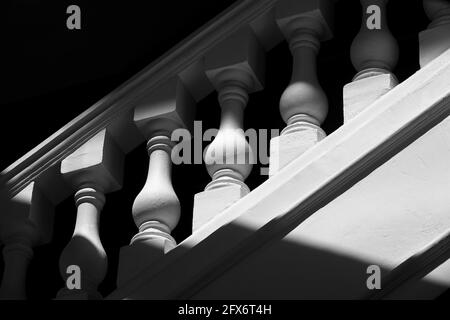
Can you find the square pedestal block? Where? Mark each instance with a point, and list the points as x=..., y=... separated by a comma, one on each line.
x=135, y=258
x=287, y=147
x=360, y=94
x=209, y=203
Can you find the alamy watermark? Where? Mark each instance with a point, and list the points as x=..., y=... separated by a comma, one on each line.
x=234, y=146
x=373, y=22
x=73, y=281
x=73, y=21
x=373, y=282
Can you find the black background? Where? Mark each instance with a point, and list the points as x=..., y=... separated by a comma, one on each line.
x=50, y=74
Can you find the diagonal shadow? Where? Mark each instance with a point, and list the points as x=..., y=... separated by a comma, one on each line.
x=280, y=269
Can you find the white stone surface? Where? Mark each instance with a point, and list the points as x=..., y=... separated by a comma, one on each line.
x=287, y=147
x=361, y=93
x=384, y=219
x=209, y=203
x=236, y=68
x=395, y=210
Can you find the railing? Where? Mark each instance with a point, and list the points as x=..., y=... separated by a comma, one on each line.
x=85, y=158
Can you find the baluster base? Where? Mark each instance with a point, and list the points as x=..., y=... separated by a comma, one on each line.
x=368, y=86
x=213, y=201
x=151, y=243
x=295, y=139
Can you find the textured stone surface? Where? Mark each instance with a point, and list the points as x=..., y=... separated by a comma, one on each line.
x=209, y=203
x=287, y=147
x=359, y=94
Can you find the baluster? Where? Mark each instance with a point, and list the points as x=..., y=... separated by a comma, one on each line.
x=25, y=222
x=156, y=209
x=303, y=104
x=436, y=38
x=235, y=67
x=92, y=170
x=374, y=54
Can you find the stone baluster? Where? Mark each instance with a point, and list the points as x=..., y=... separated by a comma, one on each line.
x=25, y=222
x=303, y=104
x=436, y=38
x=92, y=170
x=374, y=54
x=235, y=67
x=156, y=209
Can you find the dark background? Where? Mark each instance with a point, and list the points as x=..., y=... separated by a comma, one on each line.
x=50, y=74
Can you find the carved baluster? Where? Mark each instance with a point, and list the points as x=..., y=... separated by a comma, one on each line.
x=303, y=104
x=235, y=68
x=156, y=209
x=92, y=170
x=374, y=54
x=436, y=38
x=25, y=222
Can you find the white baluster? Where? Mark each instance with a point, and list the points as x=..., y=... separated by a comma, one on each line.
x=235, y=67
x=374, y=54
x=221, y=157
x=156, y=209
x=92, y=170
x=303, y=104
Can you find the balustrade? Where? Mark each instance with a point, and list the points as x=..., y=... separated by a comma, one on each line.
x=92, y=170
x=235, y=68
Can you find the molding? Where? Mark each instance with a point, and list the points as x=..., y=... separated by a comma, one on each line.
x=302, y=187
x=120, y=101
